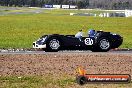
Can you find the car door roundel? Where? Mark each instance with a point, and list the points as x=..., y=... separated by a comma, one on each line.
x=88, y=41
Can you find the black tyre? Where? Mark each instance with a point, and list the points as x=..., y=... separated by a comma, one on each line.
x=53, y=45
x=103, y=45
x=81, y=80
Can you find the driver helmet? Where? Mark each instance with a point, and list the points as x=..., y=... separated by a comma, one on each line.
x=91, y=32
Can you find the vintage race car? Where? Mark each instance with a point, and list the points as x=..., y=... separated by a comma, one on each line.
x=100, y=42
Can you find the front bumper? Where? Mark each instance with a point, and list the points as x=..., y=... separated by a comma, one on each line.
x=37, y=46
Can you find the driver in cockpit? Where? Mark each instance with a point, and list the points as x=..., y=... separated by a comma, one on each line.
x=79, y=34
x=91, y=33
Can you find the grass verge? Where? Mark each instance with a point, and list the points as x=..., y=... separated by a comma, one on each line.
x=50, y=82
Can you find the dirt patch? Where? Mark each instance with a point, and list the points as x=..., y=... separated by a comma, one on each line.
x=65, y=63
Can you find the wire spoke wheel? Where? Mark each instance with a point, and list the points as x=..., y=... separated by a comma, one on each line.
x=54, y=44
x=104, y=44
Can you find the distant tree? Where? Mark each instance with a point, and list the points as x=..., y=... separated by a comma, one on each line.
x=6, y=2
x=86, y=3
x=33, y=3
x=73, y=2
x=1, y=2
x=103, y=4
x=114, y=6
x=80, y=4
x=127, y=5
x=66, y=2
x=42, y=2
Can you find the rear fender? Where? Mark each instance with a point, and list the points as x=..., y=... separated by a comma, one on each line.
x=103, y=34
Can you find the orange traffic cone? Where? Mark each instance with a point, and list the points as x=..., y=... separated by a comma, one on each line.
x=81, y=71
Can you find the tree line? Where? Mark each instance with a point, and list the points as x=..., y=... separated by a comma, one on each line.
x=102, y=4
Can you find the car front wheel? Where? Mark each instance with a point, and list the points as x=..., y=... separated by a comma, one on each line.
x=53, y=45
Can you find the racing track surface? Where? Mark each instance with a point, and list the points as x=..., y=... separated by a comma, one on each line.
x=43, y=52
x=66, y=62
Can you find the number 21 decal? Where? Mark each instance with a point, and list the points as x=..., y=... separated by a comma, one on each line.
x=88, y=41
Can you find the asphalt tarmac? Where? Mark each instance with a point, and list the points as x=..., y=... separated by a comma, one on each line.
x=70, y=52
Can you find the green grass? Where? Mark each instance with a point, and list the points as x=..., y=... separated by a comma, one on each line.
x=50, y=82
x=34, y=82
x=19, y=31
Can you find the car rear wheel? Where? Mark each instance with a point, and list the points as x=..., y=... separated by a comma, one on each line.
x=102, y=45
